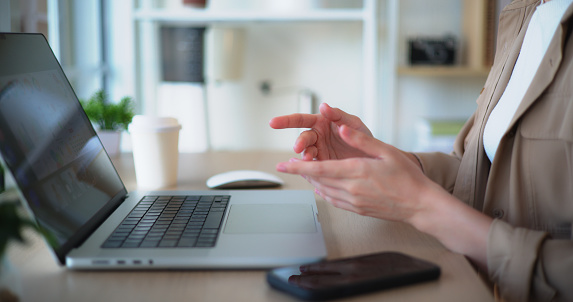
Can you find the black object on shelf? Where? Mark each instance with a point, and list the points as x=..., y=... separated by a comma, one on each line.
x=182, y=54
x=432, y=51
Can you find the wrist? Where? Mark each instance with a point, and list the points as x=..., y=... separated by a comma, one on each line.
x=459, y=227
x=431, y=211
x=415, y=159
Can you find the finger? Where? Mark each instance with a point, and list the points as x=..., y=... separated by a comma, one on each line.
x=333, y=191
x=334, y=197
x=327, y=168
x=363, y=142
x=333, y=114
x=339, y=203
x=297, y=120
x=329, y=185
x=340, y=117
x=310, y=153
x=295, y=160
x=305, y=140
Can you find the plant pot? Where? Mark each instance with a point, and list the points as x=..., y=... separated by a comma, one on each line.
x=110, y=140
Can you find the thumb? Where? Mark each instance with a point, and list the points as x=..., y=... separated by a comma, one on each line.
x=339, y=117
x=363, y=142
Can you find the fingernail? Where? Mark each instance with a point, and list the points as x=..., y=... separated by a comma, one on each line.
x=281, y=167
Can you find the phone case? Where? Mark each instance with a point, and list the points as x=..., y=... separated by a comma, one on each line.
x=350, y=276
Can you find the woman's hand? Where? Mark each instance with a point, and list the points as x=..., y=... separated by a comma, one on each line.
x=387, y=184
x=322, y=141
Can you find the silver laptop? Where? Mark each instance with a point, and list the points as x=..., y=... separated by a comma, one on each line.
x=73, y=191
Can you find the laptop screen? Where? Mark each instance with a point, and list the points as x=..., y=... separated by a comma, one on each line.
x=49, y=145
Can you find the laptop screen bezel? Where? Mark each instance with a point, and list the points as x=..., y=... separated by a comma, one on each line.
x=83, y=232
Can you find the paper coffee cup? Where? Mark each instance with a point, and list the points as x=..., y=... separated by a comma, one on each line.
x=155, y=142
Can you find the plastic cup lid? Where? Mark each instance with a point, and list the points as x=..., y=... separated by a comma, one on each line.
x=153, y=124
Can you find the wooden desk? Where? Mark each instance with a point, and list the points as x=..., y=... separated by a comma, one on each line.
x=36, y=277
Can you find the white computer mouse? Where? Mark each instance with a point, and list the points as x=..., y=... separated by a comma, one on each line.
x=243, y=179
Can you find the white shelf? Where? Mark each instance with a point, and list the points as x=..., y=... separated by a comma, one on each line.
x=148, y=17
x=206, y=16
x=443, y=71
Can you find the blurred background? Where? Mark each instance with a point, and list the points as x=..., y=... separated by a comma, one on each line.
x=410, y=69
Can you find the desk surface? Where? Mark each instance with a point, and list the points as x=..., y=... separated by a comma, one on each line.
x=35, y=276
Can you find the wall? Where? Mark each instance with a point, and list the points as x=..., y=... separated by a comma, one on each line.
x=5, y=16
x=423, y=98
x=322, y=57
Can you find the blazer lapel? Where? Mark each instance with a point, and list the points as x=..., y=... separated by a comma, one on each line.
x=510, y=59
x=547, y=69
x=516, y=20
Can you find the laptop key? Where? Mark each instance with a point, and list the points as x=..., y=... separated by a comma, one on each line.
x=167, y=243
x=187, y=242
x=213, y=220
x=112, y=244
x=149, y=244
x=130, y=244
x=205, y=244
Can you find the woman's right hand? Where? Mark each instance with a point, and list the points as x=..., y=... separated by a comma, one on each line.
x=322, y=141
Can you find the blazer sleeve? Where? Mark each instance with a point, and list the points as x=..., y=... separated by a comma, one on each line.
x=529, y=265
x=440, y=167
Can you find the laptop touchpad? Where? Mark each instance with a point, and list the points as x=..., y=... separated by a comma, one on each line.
x=270, y=218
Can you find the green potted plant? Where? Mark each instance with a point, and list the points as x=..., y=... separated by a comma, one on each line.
x=110, y=118
x=13, y=221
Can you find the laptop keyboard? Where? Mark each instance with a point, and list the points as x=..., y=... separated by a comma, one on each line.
x=171, y=222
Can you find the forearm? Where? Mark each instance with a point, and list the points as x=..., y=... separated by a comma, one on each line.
x=456, y=225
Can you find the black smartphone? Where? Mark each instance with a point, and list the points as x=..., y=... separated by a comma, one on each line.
x=350, y=276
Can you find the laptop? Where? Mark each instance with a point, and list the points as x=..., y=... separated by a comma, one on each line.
x=72, y=189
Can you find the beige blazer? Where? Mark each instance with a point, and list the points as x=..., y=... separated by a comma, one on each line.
x=529, y=187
